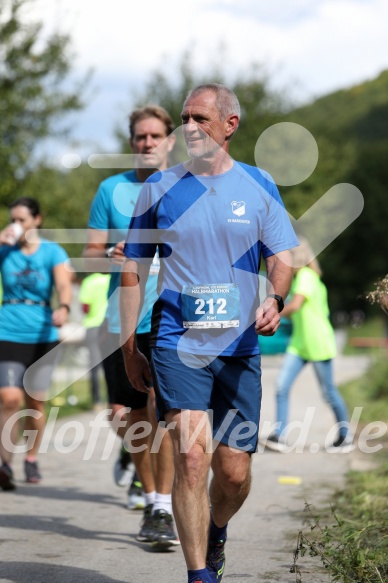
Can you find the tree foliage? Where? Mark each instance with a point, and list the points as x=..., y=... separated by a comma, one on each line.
x=351, y=129
x=32, y=96
x=260, y=107
x=65, y=198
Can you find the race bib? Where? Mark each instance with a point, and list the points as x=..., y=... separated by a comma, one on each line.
x=213, y=305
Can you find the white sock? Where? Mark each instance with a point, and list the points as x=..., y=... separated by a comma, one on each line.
x=149, y=498
x=162, y=502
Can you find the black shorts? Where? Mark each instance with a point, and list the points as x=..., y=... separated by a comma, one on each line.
x=120, y=390
x=17, y=357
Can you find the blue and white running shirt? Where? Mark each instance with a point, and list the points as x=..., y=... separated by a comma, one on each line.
x=212, y=232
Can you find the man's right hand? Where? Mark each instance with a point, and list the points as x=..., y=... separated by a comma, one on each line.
x=138, y=370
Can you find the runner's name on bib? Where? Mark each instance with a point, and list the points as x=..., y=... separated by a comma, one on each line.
x=213, y=305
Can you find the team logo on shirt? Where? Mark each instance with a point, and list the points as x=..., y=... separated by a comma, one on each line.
x=239, y=209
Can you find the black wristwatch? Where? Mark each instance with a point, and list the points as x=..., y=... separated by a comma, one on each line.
x=279, y=300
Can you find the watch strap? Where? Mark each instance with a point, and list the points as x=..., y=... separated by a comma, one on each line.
x=279, y=300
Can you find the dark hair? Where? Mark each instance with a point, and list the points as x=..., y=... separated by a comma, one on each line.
x=30, y=203
x=150, y=111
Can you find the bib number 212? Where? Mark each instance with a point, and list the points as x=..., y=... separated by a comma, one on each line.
x=220, y=309
x=211, y=306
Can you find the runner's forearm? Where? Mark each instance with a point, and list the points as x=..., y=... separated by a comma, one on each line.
x=133, y=279
x=279, y=273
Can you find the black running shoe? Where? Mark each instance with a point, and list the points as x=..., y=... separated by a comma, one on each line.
x=33, y=475
x=215, y=559
x=164, y=535
x=6, y=478
x=146, y=532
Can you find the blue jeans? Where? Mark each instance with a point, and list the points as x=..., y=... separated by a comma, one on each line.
x=292, y=365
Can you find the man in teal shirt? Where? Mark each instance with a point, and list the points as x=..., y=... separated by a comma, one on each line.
x=151, y=139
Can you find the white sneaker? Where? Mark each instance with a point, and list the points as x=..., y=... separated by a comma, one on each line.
x=135, y=497
x=343, y=444
x=273, y=442
x=122, y=471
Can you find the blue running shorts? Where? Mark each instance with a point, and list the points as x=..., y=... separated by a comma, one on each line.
x=229, y=387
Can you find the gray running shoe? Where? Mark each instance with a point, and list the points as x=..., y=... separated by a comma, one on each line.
x=146, y=532
x=164, y=535
x=33, y=475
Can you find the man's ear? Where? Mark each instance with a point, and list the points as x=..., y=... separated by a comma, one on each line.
x=171, y=142
x=231, y=123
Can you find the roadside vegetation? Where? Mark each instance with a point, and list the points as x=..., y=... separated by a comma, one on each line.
x=371, y=328
x=351, y=537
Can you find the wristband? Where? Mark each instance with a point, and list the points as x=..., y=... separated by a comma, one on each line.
x=65, y=306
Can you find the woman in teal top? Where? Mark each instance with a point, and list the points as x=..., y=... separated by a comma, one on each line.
x=31, y=268
x=312, y=340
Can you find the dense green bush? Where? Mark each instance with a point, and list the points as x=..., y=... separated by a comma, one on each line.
x=375, y=383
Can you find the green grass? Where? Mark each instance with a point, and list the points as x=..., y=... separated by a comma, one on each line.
x=370, y=391
x=351, y=539
x=82, y=402
x=370, y=328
